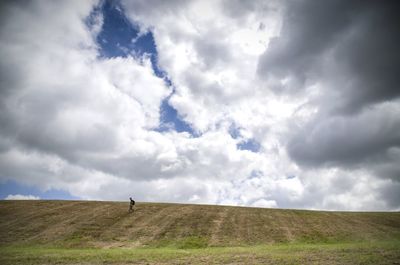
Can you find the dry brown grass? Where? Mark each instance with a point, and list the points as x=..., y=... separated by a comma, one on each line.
x=108, y=224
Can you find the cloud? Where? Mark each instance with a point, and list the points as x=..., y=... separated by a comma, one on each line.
x=21, y=197
x=346, y=140
x=265, y=203
x=210, y=54
x=341, y=57
x=348, y=46
x=67, y=102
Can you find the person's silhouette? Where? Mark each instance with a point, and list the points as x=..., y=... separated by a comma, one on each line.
x=131, y=205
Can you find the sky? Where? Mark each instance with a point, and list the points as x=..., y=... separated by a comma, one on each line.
x=286, y=104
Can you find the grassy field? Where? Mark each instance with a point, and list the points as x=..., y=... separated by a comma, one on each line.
x=81, y=232
x=343, y=253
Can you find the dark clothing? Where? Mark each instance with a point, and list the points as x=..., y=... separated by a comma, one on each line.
x=131, y=205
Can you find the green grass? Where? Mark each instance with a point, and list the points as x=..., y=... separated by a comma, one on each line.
x=387, y=252
x=191, y=242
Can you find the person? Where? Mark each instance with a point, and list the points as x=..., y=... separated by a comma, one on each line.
x=131, y=205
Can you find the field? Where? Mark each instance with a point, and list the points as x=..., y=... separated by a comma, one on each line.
x=82, y=232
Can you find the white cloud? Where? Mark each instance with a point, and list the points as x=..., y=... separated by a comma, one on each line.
x=265, y=203
x=212, y=59
x=21, y=197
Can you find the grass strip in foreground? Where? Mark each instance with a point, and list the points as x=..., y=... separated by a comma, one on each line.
x=387, y=252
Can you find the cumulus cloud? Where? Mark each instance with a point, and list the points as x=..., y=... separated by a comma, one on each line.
x=348, y=46
x=211, y=54
x=348, y=139
x=293, y=78
x=21, y=197
x=64, y=100
x=342, y=56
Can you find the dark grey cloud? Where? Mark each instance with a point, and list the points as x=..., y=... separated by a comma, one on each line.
x=349, y=46
x=239, y=9
x=388, y=164
x=309, y=29
x=347, y=140
x=391, y=194
x=370, y=56
x=348, y=49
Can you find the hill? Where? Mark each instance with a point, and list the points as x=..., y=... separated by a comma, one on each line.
x=109, y=225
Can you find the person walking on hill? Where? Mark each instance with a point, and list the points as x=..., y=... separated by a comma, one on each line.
x=131, y=205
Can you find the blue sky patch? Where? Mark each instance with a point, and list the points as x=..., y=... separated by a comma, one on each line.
x=256, y=174
x=13, y=188
x=250, y=145
x=117, y=36
x=120, y=38
x=170, y=119
x=234, y=131
x=246, y=144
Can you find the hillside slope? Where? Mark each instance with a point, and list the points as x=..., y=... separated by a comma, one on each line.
x=108, y=224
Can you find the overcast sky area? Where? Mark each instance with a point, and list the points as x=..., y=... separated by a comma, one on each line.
x=289, y=104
